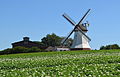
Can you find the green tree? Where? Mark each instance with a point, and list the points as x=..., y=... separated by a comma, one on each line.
x=102, y=48
x=115, y=46
x=41, y=45
x=51, y=40
x=54, y=40
x=108, y=47
x=68, y=42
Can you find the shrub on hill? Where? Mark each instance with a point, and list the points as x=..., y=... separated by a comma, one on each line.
x=108, y=47
x=20, y=49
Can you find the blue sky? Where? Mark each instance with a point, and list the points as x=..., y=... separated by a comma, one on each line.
x=37, y=18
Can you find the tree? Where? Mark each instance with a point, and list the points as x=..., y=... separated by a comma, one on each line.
x=68, y=42
x=108, y=47
x=54, y=40
x=51, y=40
x=102, y=48
x=41, y=45
x=115, y=46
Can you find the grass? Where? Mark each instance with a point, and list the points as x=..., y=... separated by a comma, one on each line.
x=94, y=63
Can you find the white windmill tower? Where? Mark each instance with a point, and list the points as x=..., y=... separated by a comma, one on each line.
x=81, y=40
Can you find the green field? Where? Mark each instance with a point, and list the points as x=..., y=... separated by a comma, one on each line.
x=104, y=63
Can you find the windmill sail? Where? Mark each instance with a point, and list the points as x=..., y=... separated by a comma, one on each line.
x=64, y=40
x=84, y=16
x=69, y=19
x=81, y=40
x=83, y=33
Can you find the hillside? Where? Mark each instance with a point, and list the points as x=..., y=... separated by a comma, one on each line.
x=102, y=63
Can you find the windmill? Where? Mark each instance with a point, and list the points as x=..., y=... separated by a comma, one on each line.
x=81, y=40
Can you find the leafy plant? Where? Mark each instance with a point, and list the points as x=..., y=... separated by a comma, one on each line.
x=94, y=63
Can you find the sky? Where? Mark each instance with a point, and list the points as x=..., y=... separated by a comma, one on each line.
x=37, y=18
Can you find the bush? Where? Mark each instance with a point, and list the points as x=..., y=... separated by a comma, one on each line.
x=6, y=51
x=108, y=47
x=34, y=49
x=20, y=49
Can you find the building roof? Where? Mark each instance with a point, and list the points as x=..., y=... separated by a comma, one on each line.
x=25, y=39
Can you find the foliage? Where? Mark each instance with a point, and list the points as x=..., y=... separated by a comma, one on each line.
x=20, y=49
x=41, y=45
x=68, y=42
x=54, y=40
x=102, y=63
x=108, y=47
x=51, y=40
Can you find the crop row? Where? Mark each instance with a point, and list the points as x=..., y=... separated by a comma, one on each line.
x=61, y=64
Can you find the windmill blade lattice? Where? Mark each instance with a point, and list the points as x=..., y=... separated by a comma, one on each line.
x=84, y=17
x=69, y=19
x=79, y=41
x=67, y=37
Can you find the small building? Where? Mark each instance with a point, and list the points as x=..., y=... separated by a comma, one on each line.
x=25, y=43
x=50, y=48
x=63, y=49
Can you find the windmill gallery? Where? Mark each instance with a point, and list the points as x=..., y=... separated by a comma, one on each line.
x=80, y=41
